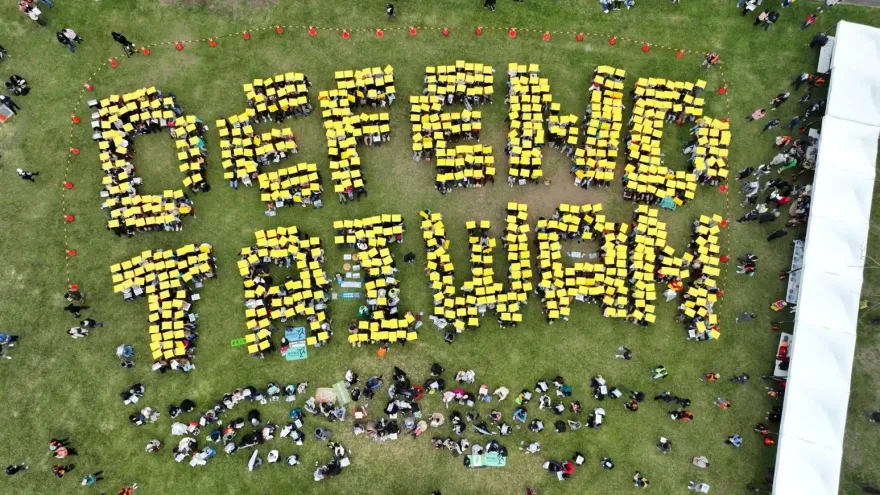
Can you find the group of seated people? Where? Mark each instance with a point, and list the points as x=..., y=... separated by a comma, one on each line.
x=116, y=122
x=438, y=132
x=658, y=101
x=17, y=85
x=481, y=292
x=631, y=260
x=345, y=130
x=701, y=294
x=529, y=101
x=169, y=279
x=594, y=163
x=371, y=238
x=303, y=296
x=246, y=154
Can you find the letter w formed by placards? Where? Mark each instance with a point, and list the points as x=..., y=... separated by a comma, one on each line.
x=482, y=292
x=304, y=296
x=632, y=259
x=245, y=154
x=116, y=122
x=437, y=132
x=647, y=178
x=345, y=130
x=169, y=279
x=373, y=237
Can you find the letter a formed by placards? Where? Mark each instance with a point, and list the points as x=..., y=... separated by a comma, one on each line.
x=647, y=177
x=345, y=130
x=436, y=133
x=465, y=309
x=116, y=122
x=169, y=279
x=302, y=297
x=531, y=104
x=246, y=155
x=372, y=239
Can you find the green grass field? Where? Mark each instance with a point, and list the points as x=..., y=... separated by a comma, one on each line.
x=58, y=387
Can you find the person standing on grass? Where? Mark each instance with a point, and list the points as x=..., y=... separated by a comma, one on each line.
x=5, y=100
x=801, y=79
x=761, y=17
x=60, y=470
x=734, y=440
x=389, y=10
x=779, y=100
x=25, y=175
x=72, y=36
x=786, y=3
x=91, y=323
x=819, y=40
x=91, y=479
x=827, y=5
x=15, y=468
x=489, y=4
x=78, y=333
x=65, y=41
x=756, y=115
x=794, y=122
x=710, y=60
x=777, y=235
x=772, y=17
x=128, y=46
x=770, y=125
x=810, y=20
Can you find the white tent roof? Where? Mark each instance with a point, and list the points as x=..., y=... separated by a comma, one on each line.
x=817, y=393
x=855, y=74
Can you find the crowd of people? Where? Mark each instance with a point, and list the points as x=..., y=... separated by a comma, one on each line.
x=472, y=410
x=245, y=154
x=303, y=296
x=529, y=101
x=646, y=179
x=481, y=292
x=436, y=133
x=634, y=254
x=345, y=130
x=594, y=163
x=372, y=237
x=703, y=259
x=116, y=121
x=169, y=279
